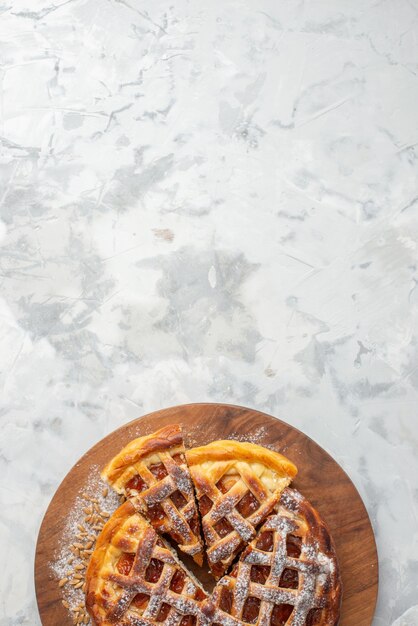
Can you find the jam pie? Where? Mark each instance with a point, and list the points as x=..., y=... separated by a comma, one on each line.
x=265, y=542
x=237, y=486
x=134, y=578
x=152, y=472
x=287, y=576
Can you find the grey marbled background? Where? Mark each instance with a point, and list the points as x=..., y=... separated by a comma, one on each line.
x=210, y=200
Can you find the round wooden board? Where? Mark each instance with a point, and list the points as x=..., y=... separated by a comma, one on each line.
x=320, y=479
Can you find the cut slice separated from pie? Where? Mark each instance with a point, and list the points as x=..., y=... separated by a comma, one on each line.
x=135, y=579
x=237, y=486
x=152, y=472
x=287, y=576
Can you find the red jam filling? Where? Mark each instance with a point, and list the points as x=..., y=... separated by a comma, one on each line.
x=205, y=505
x=158, y=470
x=153, y=571
x=248, y=504
x=140, y=600
x=136, y=484
x=260, y=573
x=223, y=527
x=280, y=614
x=265, y=541
x=177, y=582
x=225, y=603
x=293, y=546
x=251, y=610
x=178, y=499
x=156, y=514
x=199, y=594
x=163, y=612
x=289, y=579
x=124, y=565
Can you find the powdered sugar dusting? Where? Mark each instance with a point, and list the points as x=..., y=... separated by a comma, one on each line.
x=314, y=569
x=82, y=528
x=78, y=539
x=203, y=433
x=242, y=527
x=257, y=435
x=291, y=499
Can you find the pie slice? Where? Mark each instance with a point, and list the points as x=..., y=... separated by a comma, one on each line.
x=152, y=472
x=135, y=579
x=287, y=576
x=237, y=485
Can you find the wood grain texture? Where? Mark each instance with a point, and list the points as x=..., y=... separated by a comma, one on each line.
x=320, y=479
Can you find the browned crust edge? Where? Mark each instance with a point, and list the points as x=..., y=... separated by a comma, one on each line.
x=168, y=437
x=292, y=500
x=111, y=527
x=319, y=531
x=231, y=450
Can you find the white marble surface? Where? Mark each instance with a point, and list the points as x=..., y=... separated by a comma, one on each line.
x=211, y=200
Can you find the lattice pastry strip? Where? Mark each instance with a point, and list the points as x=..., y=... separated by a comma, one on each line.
x=238, y=485
x=159, y=491
x=134, y=579
x=288, y=575
x=152, y=471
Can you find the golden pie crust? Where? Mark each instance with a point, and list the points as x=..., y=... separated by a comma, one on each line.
x=237, y=485
x=152, y=472
x=285, y=573
x=135, y=579
x=287, y=576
